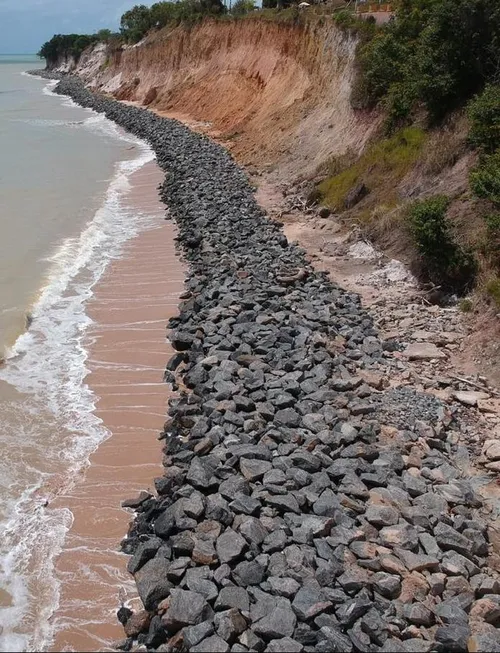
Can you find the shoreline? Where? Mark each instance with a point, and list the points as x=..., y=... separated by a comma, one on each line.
x=294, y=495
x=126, y=346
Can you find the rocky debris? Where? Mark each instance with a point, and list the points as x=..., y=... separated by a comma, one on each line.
x=355, y=195
x=470, y=397
x=423, y=351
x=302, y=507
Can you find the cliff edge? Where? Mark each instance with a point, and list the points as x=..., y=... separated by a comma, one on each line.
x=279, y=94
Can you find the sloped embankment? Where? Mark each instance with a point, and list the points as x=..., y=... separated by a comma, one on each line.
x=279, y=92
x=289, y=518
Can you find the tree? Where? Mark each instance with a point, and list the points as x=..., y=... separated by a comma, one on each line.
x=104, y=35
x=484, y=116
x=135, y=23
x=63, y=46
x=436, y=52
x=242, y=7
x=163, y=13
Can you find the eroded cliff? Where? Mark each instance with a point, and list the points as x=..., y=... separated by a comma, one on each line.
x=277, y=93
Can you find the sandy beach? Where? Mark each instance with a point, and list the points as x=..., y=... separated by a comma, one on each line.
x=127, y=354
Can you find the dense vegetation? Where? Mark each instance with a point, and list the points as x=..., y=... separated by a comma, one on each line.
x=441, y=259
x=433, y=59
x=435, y=53
x=136, y=22
x=64, y=46
x=484, y=116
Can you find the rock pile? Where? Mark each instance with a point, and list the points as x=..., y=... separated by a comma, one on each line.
x=292, y=515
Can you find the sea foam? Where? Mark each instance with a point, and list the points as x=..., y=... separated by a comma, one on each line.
x=48, y=364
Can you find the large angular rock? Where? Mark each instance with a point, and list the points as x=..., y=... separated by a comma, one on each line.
x=213, y=644
x=279, y=622
x=181, y=340
x=137, y=623
x=233, y=486
x=229, y=624
x=186, y=609
x=283, y=586
x=152, y=582
x=200, y=475
x=380, y=515
x=332, y=640
x=284, y=645
x=232, y=596
x=246, y=505
x=217, y=509
x=144, y=552
x=484, y=643
x=165, y=524
x=389, y=585
x=418, y=614
x=253, y=530
x=308, y=603
x=352, y=609
x=193, y=635
x=287, y=417
x=248, y=572
x=230, y=546
x=283, y=503
x=453, y=638
x=203, y=552
x=417, y=562
x=254, y=470
x=448, y=538
x=401, y=535
x=451, y=613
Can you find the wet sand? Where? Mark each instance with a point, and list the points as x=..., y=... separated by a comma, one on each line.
x=127, y=356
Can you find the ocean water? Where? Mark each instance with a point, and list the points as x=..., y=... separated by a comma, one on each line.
x=63, y=173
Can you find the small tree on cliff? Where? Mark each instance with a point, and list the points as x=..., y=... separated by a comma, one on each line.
x=163, y=13
x=242, y=7
x=135, y=23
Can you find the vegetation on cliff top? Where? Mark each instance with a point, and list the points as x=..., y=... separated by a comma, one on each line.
x=435, y=53
x=433, y=58
x=65, y=46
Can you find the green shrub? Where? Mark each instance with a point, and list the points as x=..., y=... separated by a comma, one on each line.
x=493, y=290
x=344, y=18
x=380, y=63
x=485, y=178
x=348, y=21
x=400, y=101
x=242, y=7
x=442, y=260
x=440, y=52
x=484, y=115
x=493, y=224
x=491, y=245
x=430, y=228
x=465, y=305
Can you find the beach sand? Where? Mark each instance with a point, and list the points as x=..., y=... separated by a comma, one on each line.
x=127, y=356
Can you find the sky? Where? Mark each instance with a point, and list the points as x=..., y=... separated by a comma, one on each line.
x=26, y=24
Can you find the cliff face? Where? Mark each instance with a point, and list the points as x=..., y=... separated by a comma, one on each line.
x=279, y=94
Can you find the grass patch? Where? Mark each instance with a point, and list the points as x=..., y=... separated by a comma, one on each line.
x=465, y=305
x=383, y=164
